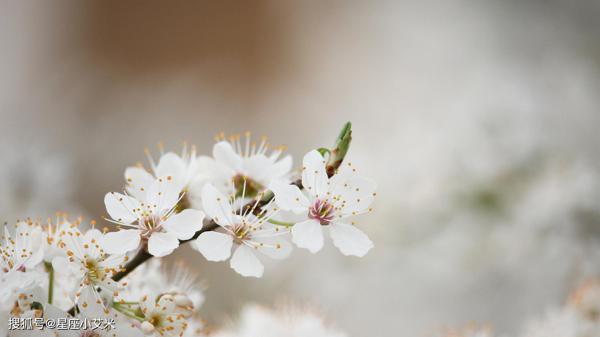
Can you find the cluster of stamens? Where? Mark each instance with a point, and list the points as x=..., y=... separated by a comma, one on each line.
x=240, y=232
x=322, y=211
x=150, y=224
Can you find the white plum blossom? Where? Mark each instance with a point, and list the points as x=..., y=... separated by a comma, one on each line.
x=185, y=170
x=153, y=277
x=151, y=218
x=91, y=309
x=23, y=250
x=236, y=163
x=27, y=306
x=20, y=257
x=243, y=230
x=328, y=202
x=87, y=262
x=163, y=316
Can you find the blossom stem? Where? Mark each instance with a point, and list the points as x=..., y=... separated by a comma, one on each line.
x=50, y=271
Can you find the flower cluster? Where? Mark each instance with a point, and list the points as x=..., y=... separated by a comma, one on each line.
x=240, y=204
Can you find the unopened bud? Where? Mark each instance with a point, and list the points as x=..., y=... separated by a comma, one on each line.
x=147, y=328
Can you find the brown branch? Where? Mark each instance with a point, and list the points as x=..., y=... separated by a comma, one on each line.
x=143, y=255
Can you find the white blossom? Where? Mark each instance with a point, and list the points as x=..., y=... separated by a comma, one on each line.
x=185, y=170
x=23, y=250
x=20, y=255
x=163, y=316
x=153, y=277
x=238, y=162
x=152, y=219
x=243, y=230
x=327, y=202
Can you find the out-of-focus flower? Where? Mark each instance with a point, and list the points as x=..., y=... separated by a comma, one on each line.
x=330, y=202
x=246, y=231
x=238, y=164
x=257, y=321
x=154, y=278
x=95, y=318
x=586, y=300
x=579, y=318
x=23, y=250
x=28, y=305
x=52, y=233
x=196, y=328
x=152, y=218
x=471, y=330
x=162, y=316
x=20, y=254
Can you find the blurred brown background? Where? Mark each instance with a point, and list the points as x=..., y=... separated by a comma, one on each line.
x=478, y=119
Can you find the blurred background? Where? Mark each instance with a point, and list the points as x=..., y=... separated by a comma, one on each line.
x=478, y=119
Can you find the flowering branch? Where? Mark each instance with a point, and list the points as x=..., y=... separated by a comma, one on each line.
x=225, y=203
x=336, y=157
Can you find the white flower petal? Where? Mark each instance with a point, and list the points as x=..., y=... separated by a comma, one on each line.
x=93, y=238
x=349, y=239
x=138, y=181
x=289, y=197
x=276, y=248
x=281, y=168
x=214, y=170
x=36, y=257
x=170, y=164
x=308, y=234
x=163, y=194
x=214, y=246
x=216, y=205
x=246, y=263
x=356, y=192
x=61, y=265
x=184, y=224
x=120, y=242
x=314, y=175
x=256, y=167
x=162, y=244
x=90, y=306
x=92, y=234
x=224, y=153
x=120, y=207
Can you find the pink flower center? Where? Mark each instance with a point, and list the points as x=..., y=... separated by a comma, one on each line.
x=321, y=211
